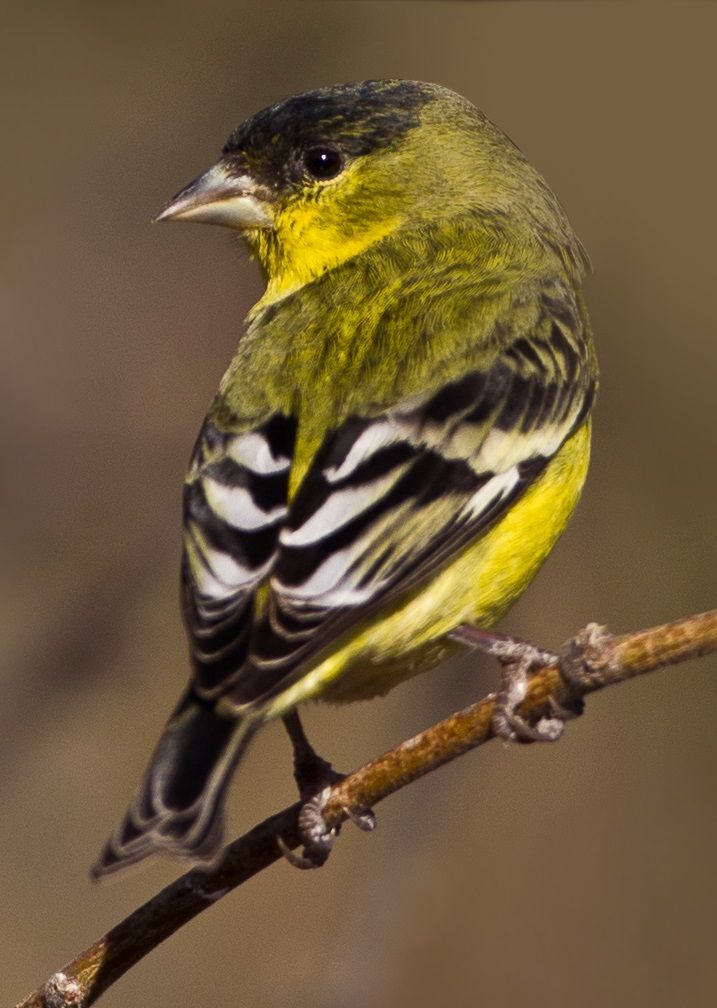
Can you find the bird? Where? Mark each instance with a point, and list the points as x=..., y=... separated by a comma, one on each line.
x=397, y=444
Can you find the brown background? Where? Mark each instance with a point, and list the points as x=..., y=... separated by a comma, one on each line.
x=582, y=873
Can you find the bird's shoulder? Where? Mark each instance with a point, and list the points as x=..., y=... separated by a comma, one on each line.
x=401, y=319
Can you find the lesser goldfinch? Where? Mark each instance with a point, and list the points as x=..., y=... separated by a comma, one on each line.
x=397, y=444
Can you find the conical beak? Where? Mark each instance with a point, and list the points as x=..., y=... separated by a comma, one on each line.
x=220, y=196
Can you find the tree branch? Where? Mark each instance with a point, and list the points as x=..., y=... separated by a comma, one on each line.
x=604, y=660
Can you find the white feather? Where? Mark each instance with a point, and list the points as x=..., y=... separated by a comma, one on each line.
x=341, y=508
x=236, y=507
x=324, y=587
x=252, y=451
x=378, y=435
x=497, y=486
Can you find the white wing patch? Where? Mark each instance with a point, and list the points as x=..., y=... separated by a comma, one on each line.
x=378, y=435
x=502, y=449
x=341, y=508
x=492, y=492
x=216, y=574
x=235, y=505
x=252, y=451
x=329, y=586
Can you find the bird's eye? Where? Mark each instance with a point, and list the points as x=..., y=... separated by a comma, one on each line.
x=323, y=163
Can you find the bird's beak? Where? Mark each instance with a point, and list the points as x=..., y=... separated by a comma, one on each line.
x=220, y=196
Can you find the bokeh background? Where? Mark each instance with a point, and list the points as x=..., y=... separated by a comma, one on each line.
x=582, y=873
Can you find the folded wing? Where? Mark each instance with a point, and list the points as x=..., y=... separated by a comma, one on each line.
x=390, y=498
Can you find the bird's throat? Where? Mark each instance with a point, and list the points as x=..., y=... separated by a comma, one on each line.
x=299, y=250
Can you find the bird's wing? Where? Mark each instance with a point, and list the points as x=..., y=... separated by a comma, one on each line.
x=235, y=503
x=390, y=498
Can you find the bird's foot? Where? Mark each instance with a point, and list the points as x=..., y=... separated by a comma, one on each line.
x=518, y=659
x=507, y=724
x=315, y=777
x=316, y=837
x=582, y=661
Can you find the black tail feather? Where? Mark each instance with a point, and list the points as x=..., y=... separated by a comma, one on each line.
x=178, y=807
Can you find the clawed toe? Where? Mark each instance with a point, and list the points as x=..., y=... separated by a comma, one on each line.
x=511, y=727
x=362, y=817
x=518, y=659
x=316, y=837
x=516, y=667
x=315, y=778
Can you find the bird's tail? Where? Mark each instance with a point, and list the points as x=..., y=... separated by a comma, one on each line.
x=178, y=807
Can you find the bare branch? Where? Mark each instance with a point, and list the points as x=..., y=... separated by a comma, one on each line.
x=601, y=660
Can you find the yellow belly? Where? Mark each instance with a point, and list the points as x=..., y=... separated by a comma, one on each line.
x=477, y=587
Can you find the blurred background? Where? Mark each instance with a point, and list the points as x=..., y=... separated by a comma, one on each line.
x=577, y=873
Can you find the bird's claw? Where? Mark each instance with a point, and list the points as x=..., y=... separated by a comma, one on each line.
x=518, y=659
x=578, y=667
x=364, y=818
x=516, y=669
x=511, y=727
x=317, y=839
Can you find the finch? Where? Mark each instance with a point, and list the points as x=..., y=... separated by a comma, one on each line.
x=398, y=442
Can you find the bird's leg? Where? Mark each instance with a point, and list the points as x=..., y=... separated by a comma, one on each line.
x=311, y=772
x=517, y=659
x=314, y=778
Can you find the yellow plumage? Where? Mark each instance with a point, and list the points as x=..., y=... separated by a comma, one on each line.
x=399, y=441
x=478, y=587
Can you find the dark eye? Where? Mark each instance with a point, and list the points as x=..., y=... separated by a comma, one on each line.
x=323, y=162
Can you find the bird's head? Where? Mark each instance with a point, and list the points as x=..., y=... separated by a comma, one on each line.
x=316, y=179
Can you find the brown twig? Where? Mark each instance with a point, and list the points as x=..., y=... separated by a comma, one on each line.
x=601, y=659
